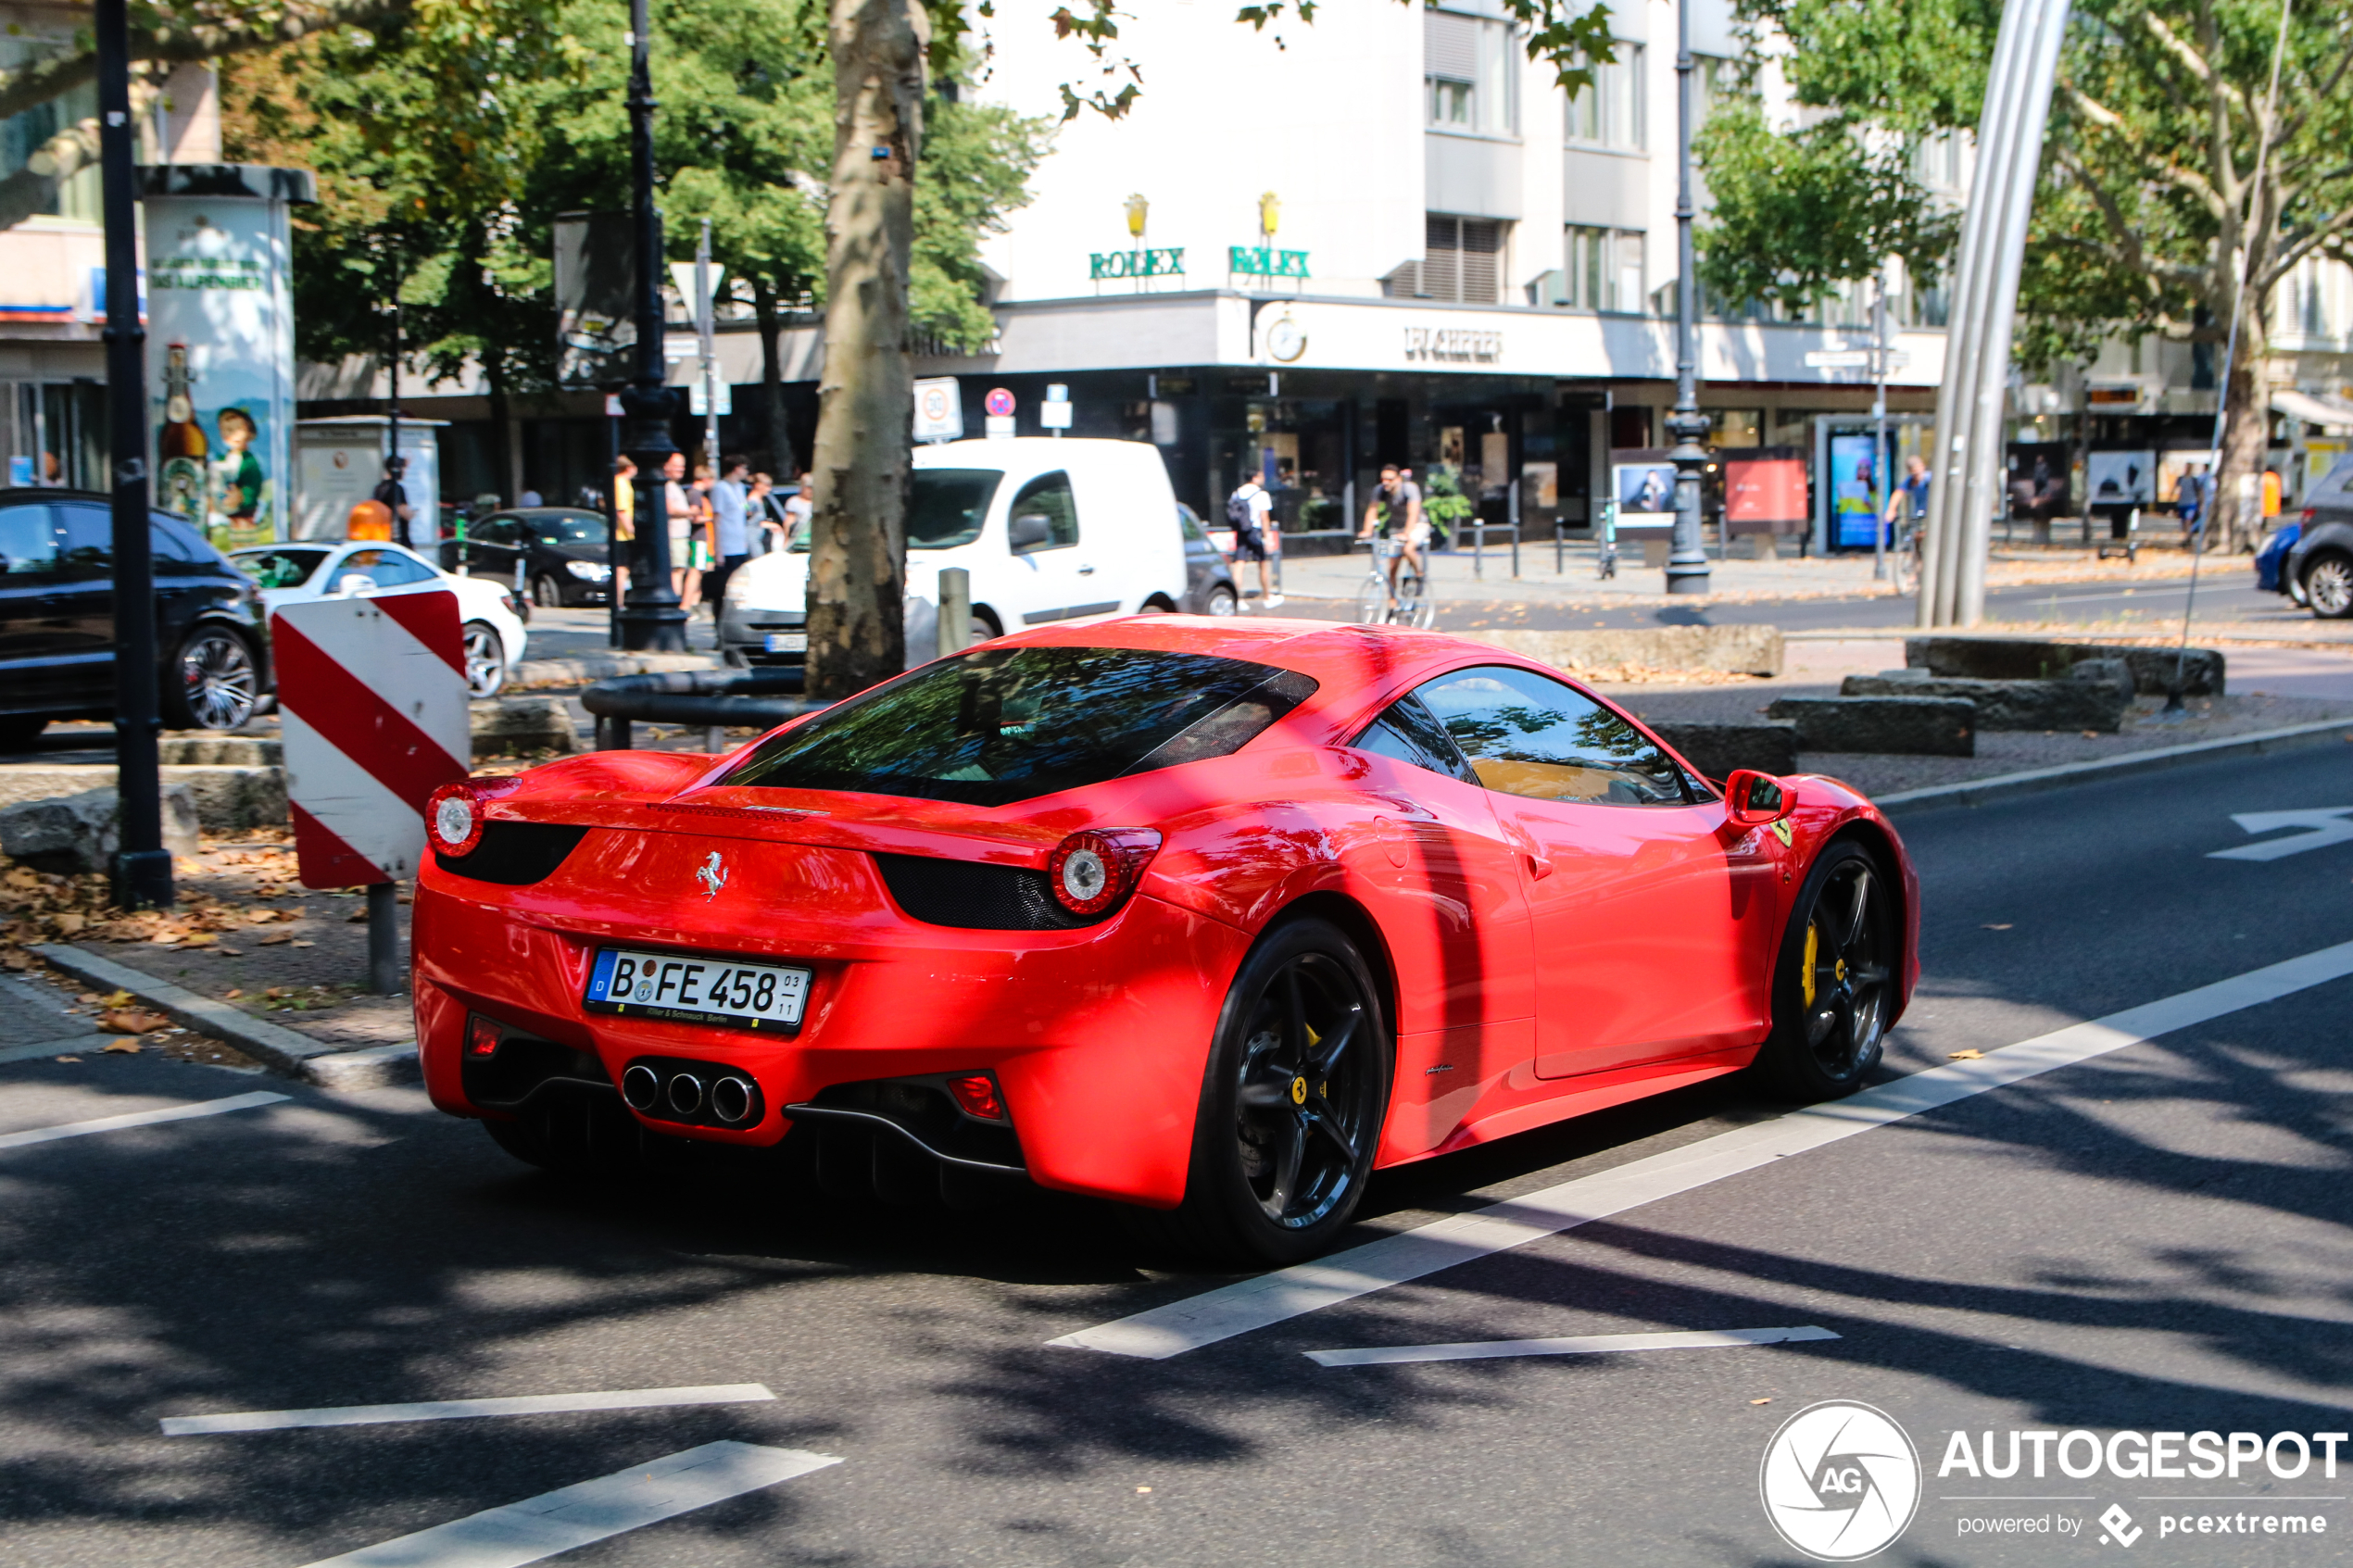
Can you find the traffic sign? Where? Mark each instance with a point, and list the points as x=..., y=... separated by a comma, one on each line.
x=1000, y=403
x=371, y=693
x=940, y=410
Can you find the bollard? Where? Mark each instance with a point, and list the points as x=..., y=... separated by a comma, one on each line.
x=383, y=938
x=956, y=610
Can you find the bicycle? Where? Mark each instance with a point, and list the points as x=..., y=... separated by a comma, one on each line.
x=1415, y=606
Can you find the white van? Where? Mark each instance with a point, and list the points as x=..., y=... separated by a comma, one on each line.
x=1050, y=530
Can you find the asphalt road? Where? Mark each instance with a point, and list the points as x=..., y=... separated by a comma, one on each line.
x=2153, y=1239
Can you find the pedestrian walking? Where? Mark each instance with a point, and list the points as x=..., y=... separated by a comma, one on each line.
x=2189, y=501
x=624, y=522
x=800, y=507
x=1251, y=511
x=393, y=494
x=731, y=526
x=681, y=521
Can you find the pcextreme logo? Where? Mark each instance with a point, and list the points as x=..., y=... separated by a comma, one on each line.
x=1840, y=1481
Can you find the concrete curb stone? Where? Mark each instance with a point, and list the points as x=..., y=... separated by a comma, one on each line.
x=2012, y=704
x=1905, y=726
x=282, y=1049
x=2003, y=786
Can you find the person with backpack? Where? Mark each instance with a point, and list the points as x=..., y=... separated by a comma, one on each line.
x=1250, y=512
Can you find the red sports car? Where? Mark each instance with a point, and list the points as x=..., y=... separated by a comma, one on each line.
x=1209, y=917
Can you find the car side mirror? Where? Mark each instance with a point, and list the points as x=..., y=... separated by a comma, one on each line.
x=1030, y=532
x=354, y=583
x=1756, y=800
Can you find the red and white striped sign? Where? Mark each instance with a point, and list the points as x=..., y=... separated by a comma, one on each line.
x=372, y=695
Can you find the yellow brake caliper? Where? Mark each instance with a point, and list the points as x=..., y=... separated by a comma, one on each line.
x=1813, y=949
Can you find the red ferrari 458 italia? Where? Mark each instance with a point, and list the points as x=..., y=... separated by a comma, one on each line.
x=1213, y=918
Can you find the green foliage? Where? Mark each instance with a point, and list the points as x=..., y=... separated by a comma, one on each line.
x=1442, y=499
x=1799, y=213
x=447, y=143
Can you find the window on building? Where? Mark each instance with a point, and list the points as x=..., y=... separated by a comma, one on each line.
x=1609, y=113
x=22, y=135
x=1604, y=270
x=1468, y=70
x=1461, y=258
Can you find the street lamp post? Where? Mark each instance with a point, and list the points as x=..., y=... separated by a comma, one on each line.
x=1686, y=562
x=142, y=865
x=651, y=618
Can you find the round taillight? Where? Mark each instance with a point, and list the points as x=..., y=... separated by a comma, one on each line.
x=453, y=819
x=1093, y=872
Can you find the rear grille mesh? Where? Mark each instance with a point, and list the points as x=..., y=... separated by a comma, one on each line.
x=515, y=854
x=976, y=897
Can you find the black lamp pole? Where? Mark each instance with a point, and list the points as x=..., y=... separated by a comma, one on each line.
x=141, y=865
x=1686, y=562
x=651, y=618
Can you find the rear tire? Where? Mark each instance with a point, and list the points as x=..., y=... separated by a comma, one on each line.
x=1292, y=1105
x=1222, y=602
x=212, y=683
x=1843, y=938
x=486, y=659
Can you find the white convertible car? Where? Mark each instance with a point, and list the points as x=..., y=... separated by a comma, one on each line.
x=293, y=573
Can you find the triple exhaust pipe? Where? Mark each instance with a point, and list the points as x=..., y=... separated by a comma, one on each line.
x=686, y=1096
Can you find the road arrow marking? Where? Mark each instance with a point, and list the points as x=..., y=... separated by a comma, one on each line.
x=2322, y=826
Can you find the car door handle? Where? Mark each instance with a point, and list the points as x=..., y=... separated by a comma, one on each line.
x=1538, y=867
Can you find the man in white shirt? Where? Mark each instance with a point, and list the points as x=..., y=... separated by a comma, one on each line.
x=728, y=503
x=1251, y=511
x=799, y=509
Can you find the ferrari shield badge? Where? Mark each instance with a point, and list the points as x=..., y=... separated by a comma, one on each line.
x=713, y=874
x=1781, y=831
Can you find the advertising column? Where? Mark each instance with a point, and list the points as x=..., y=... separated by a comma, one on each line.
x=221, y=345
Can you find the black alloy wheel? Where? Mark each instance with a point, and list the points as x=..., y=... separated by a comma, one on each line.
x=217, y=682
x=2328, y=585
x=1291, y=1105
x=1834, y=988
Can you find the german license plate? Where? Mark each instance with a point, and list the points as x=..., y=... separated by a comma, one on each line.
x=682, y=990
x=786, y=642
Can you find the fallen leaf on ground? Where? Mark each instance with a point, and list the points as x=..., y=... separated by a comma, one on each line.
x=235, y=992
x=70, y=924
x=275, y=992
x=14, y=959
x=1964, y=1056
x=300, y=943
x=132, y=1020
x=2004, y=925
x=128, y=1048
x=2091, y=735
x=69, y=1059
x=89, y=996
x=273, y=941
x=197, y=939
x=231, y=952
x=1761, y=1401
x=357, y=917
x=113, y=999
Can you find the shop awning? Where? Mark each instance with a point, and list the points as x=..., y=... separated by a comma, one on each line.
x=2330, y=412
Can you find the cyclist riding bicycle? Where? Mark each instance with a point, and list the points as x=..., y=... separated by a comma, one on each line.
x=1396, y=511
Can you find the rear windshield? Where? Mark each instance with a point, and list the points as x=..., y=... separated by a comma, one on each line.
x=945, y=507
x=278, y=569
x=1004, y=724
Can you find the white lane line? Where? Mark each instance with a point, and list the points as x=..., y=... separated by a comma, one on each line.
x=459, y=1410
x=1305, y=1287
x=1574, y=1345
x=139, y=1119
x=542, y=1526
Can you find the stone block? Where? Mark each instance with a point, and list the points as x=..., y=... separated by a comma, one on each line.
x=1737, y=650
x=2034, y=659
x=80, y=833
x=2114, y=672
x=213, y=750
x=1717, y=749
x=1919, y=726
x=532, y=724
x=2012, y=705
x=226, y=798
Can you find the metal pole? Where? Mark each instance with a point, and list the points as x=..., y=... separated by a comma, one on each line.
x=141, y=865
x=651, y=619
x=1880, y=474
x=392, y=410
x=706, y=328
x=955, y=618
x=616, y=553
x=1687, y=567
x=383, y=938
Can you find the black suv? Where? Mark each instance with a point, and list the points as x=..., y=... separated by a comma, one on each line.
x=57, y=619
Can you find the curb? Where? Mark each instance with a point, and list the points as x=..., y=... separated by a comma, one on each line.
x=279, y=1048
x=2002, y=786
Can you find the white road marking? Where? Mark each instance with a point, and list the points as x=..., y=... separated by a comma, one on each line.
x=2321, y=827
x=139, y=1119
x=1288, y=1293
x=458, y=1410
x=1576, y=1345
x=542, y=1526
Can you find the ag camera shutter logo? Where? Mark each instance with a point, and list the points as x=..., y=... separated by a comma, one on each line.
x=1840, y=1481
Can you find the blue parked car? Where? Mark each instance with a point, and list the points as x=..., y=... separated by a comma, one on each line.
x=2317, y=568
x=2273, y=555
